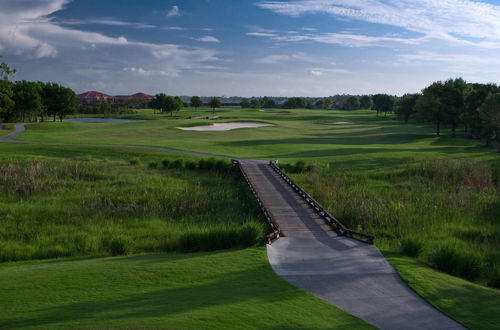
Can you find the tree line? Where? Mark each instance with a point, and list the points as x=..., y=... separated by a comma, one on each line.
x=165, y=103
x=32, y=101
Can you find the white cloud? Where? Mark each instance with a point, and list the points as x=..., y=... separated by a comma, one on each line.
x=281, y=58
x=317, y=72
x=107, y=21
x=25, y=30
x=174, y=11
x=207, y=39
x=261, y=34
x=466, y=21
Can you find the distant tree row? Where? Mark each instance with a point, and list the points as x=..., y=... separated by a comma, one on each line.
x=31, y=101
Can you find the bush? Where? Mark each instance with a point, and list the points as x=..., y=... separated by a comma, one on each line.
x=210, y=164
x=299, y=167
x=135, y=162
x=412, y=246
x=166, y=163
x=493, y=277
x=153, y=164
x=190, y=165
x=116, y=245
x=178, y=163
x=449, y=259
x=222, y=166
x=202, y=164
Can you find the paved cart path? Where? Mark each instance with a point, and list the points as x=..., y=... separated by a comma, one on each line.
x=345, y=272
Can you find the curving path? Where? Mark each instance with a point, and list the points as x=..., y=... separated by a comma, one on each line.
x=345, y=272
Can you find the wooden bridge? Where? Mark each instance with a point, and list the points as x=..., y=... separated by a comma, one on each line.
x=311, y=249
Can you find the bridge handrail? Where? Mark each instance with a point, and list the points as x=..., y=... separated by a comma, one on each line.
x=275, y=230
x=320, y=210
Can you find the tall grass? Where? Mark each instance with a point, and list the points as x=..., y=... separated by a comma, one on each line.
x=444, y=212
x=67, y=208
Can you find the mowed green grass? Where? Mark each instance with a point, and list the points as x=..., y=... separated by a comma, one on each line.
x=368, y=164
x=231, y=289
x=296, y=135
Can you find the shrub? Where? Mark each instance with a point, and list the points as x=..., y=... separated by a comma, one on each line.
x=153, y=164
x=299, y=166
x=190, y=165
x=166, y=163
x=202, y=164
x=412, y=246
x=116, y=245
x=178, y=163
x=222, y=166
x=210, y=163
x=493, y=277
x=449, y=259
x=135, y=162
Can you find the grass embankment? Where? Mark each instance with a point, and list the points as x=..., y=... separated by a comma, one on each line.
x=232, y=289
x=54, y=208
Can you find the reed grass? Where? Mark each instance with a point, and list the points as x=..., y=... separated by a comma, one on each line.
x=72, y=208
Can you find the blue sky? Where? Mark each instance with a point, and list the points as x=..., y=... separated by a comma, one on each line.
x=251, y=47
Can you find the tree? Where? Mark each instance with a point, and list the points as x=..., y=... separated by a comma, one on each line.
x=196, y=102
x=256, y=103
x=382, y=103
x=67, y=102
x=104, y=108
x=165, y=103
x=245, y=103
x=365, y=102
x=178, y=103
x=352, y=103
x=474, y=98
x=28, y=101
x=6, y=101
x=6, y=71
x=453, y=99
x=430, y=107
x=268, y=102
x=489, y=114
x=404, y=107
x=294, y=103
x=214, y=103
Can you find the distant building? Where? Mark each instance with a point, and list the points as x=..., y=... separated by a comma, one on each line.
x=93, y=97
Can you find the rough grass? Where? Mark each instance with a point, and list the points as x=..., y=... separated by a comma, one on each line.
x=443, y=211
x=231, y=289
x=68, y=208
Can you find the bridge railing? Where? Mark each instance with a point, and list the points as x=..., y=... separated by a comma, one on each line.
x=320, y=210
x=274, y=234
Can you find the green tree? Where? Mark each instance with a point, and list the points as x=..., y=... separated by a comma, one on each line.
x=352, y=103
x=474, y=98
x=245, y=103
x=256, y=103
x=178, y=103
x=7, y=104
x=453, y=99
x=6, y=71
x=489, y=114
x=268, y=102
x=214, y=103
x=67, y=103
x=294, y=103
x=104, y=108
x=165, y=103
x=365, y=102
x=27, y=98
x=196, y=102
x=382, y=103
x=404, y=107
x=430, y=106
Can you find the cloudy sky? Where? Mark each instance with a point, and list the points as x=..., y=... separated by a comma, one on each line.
x=251, y=47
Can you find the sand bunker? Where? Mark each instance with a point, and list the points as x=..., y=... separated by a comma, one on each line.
x=337, y=123
x=224, y=126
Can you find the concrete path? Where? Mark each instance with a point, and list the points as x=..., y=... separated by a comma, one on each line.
x=345, y=272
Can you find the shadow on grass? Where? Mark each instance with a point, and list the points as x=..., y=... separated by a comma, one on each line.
x=225, y=289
